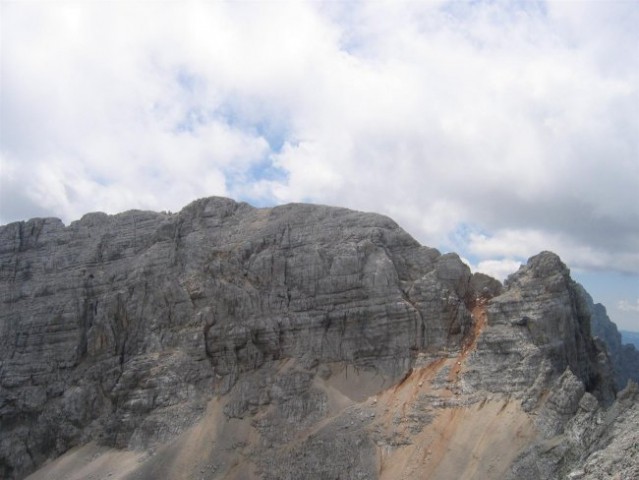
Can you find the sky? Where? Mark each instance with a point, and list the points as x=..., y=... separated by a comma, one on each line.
x=493, y=129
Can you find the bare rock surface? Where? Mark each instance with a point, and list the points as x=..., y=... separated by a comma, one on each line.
x=624, y=357
x=229, y=342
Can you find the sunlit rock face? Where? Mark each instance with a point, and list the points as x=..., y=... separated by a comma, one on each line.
x=300, y=341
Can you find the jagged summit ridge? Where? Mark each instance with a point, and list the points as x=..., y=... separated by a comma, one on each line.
x=276, y=330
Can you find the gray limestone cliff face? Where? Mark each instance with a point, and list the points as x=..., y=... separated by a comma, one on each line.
x=591, y=442
x=120, y=328
x=284, y=323
x=537, y=328
x=538, y=339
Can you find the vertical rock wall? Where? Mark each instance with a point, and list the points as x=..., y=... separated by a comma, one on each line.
x=270, y=332
x=120, y=328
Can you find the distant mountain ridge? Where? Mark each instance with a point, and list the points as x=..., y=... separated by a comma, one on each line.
x=229, y=342
x=623, y=355
x=630, y=338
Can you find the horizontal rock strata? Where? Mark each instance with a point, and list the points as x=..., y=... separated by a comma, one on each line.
x=299, y=341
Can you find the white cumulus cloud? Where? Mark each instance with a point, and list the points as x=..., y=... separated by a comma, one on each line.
x=514, y=122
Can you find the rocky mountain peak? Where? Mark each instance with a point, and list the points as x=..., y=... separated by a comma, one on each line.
x=542, y=266
x=301, y=341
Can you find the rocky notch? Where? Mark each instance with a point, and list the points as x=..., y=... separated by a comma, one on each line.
x=295, y=342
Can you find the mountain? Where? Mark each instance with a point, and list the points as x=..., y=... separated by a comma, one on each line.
x=624, y=357
x=630, y=338
x=301, y=341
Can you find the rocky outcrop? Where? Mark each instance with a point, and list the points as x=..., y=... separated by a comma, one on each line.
x=300, y=341
x=624, y=357
x=537, y=328
x=590, y=442
x=120, y=328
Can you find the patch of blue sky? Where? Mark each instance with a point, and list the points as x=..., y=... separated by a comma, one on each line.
x=186, y=80
x=460, y=237
x=463, y=9
x=239, y=183
x=254, y=122
x=193, y=118
x=348, y=16
x=497, y=14
x=357, y=46
x=100, y=180
x=458, y=241
x=610, y=288
x=276, y=135
x=234, y=111
x=266, y=170
x=198, y=114
x=608, y=284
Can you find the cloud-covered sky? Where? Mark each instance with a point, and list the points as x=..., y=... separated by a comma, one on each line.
x=493, y=129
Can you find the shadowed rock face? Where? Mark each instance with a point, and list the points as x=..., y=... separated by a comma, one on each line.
x=624, y=357
x=262, y=339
